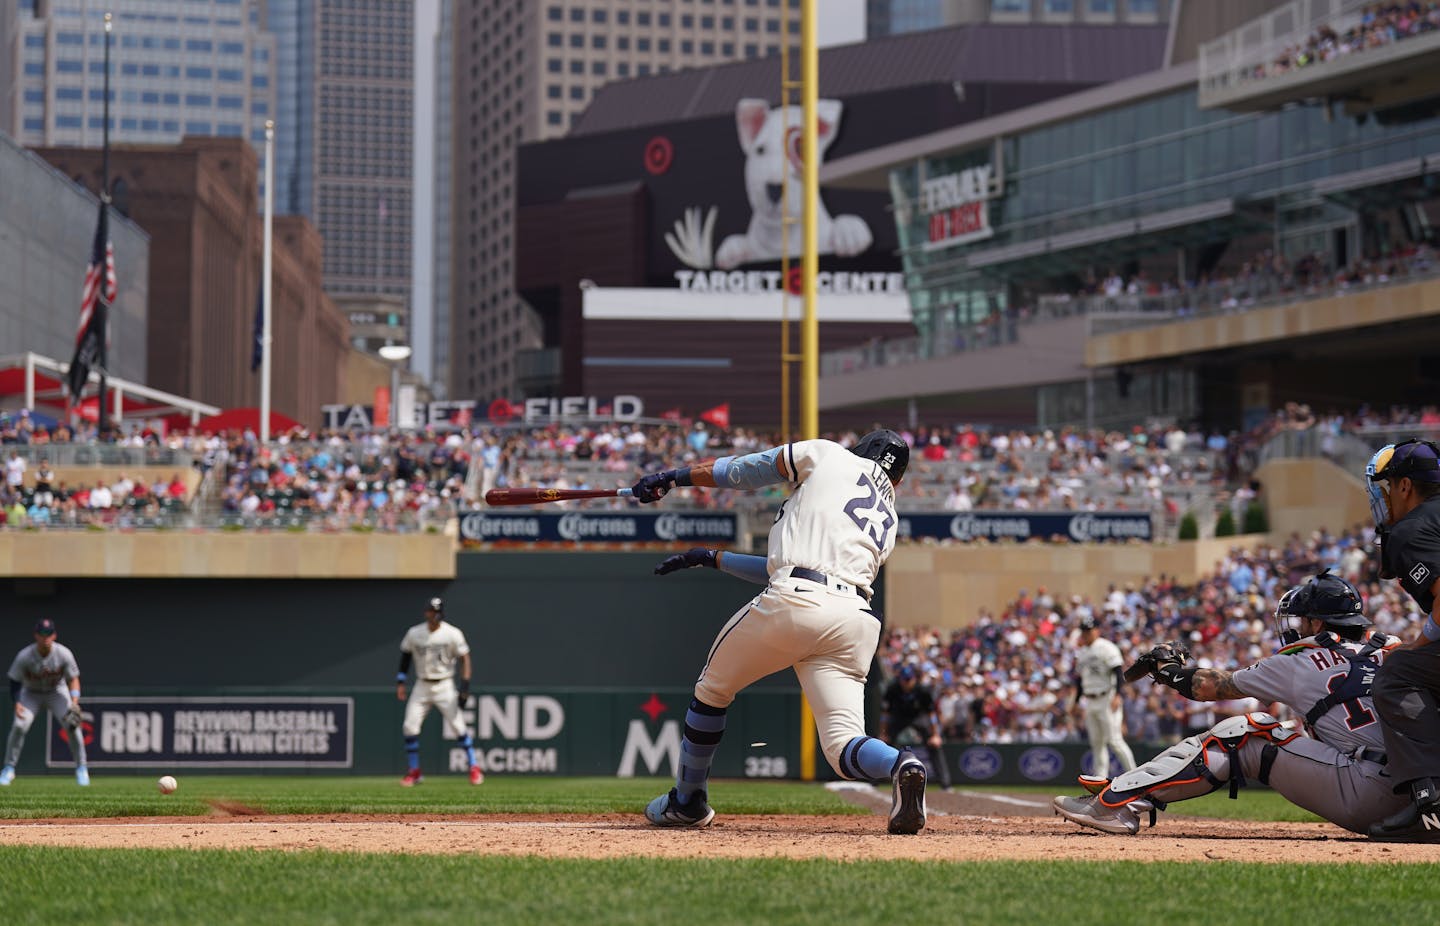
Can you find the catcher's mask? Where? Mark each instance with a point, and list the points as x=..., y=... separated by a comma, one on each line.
x=1416, y=459
x=887, y=449
x=1326, y=598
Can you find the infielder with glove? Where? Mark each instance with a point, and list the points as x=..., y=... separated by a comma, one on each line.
x=44, y=674
x=826, y=547
x=1323, y=672
x=1097, y=693
x=435, y=646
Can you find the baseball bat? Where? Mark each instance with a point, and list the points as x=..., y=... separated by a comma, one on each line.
x=500, y=498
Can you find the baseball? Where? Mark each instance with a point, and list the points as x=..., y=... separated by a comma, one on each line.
x=167, y=784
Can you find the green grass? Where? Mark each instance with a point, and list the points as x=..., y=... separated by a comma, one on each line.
x=56, y=796
x=184, y=886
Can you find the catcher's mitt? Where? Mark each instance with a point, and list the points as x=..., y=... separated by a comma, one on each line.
x=1172, y=654
x=72, y=716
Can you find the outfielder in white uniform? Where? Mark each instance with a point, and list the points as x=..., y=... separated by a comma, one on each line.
x=44, y=674
x=435, y=647
x=828, y=543
x=1099, y=665
x=1323, y=672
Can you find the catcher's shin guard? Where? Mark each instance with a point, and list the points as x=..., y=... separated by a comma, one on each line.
x=1196, y=765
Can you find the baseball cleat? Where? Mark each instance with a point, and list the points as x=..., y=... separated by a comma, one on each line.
x=476, y=776
x=412, y=778
x=82, y=776
x=7, y=775
x=1088, y=811
x=1093, y=784
x=907, y=803
x=666, y=810
x=1413, y=824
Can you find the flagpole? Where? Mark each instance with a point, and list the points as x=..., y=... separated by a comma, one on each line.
x=265, y=282
x=104, y=350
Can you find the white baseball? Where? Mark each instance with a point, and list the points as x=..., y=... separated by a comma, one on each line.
x=167, y=784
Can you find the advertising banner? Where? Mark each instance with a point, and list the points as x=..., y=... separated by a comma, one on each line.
x=211, y=732
x=489, y=526
x=1077, y=527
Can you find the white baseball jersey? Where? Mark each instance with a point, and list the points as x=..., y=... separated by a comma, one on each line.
x=43, y=674
x=435, y=653
x=1097, y=663
x=1300, y=675
x=840, y=520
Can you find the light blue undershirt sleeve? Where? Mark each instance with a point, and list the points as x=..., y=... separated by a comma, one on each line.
x=748, y=567
x=751, y=471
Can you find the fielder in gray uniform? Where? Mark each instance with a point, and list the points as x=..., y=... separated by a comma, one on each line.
x=1323, y=672
x=44, y=674
x=827, y=545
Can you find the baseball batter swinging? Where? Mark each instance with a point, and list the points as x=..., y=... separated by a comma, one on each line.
x=435, y=646
x=1323, y=672
x=827, y=545
x=44, y=674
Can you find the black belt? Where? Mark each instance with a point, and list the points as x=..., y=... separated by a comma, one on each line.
x=1098, y=694
x=1367, y=754
x=812, y=575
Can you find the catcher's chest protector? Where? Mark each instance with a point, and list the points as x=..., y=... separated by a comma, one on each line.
x=1198, y=764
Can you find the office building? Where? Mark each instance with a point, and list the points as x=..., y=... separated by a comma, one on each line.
x=895, y=17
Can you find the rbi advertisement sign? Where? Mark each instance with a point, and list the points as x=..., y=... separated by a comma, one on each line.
x=598, y=527
x=239, y=732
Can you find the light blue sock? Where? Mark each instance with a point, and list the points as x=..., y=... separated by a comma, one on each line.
x=412, y=752
x=704, y=725
x=468, y=745
x=866, y=758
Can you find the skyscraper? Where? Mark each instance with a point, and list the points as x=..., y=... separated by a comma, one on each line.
x=894, y=17
x=197, y=67
x=523, y=71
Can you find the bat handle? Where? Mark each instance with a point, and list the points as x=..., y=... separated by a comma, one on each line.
x=624, y=493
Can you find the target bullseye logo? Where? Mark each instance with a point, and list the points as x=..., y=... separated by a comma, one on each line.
x=503, y=410
x=795, y=281
x=659, y=154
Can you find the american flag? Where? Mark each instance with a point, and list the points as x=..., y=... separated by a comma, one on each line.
x=95, y=297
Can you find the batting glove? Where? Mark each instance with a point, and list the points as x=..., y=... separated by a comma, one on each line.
x=698, y=556
x=655, y=486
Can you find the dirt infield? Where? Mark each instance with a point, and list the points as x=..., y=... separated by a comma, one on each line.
x=962, y=827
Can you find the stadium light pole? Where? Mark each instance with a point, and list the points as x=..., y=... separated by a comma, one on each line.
x=265, y=284
x=809, y=258
x=395, y=355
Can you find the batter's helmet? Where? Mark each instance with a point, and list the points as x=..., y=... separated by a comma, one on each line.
x=1326, y=598
x=887, y=449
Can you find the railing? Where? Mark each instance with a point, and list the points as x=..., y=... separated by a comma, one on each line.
x=98, y=455
x=1234, y=58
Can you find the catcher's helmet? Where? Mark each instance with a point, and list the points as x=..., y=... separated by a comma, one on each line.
x=886, y=448
x=1326, y=598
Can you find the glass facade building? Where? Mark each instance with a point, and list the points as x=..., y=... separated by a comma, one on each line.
x=198, y=67
x=1155, y=178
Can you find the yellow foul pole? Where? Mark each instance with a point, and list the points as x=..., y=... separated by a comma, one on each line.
x=809, y=267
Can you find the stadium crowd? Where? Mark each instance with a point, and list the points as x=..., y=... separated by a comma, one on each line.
x=1011, y=677
x=40, y=499
x=1376, y=25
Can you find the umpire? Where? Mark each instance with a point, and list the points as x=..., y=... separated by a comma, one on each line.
x=1403, y=481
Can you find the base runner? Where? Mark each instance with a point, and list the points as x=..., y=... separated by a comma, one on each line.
x=828, y=543
x=1323, y=672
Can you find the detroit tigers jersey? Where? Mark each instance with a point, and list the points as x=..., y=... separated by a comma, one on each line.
x=1097, y=663
x=1299, y=676
x=43, y=674
x=435, y=653
x=840, y=520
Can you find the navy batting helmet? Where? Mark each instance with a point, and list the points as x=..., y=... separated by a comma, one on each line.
x=887, y=449
x=1326, y=598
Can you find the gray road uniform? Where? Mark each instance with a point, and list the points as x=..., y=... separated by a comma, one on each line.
x=1337, y=772
x=43, y=683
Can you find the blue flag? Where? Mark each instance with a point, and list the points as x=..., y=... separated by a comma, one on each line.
x=257, y=353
